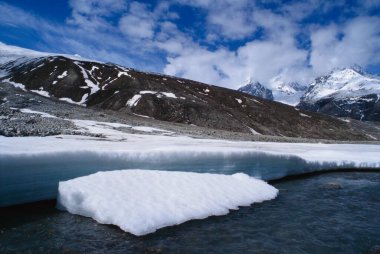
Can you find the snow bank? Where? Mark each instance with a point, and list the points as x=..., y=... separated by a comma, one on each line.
x=142, y=201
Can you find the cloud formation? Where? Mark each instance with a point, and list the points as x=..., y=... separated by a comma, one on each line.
x=223, y=42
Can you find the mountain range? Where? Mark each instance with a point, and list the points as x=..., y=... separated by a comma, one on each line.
x=105, y=86
x=347, y=92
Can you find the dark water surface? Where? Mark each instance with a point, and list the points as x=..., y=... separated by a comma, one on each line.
x=326, y=213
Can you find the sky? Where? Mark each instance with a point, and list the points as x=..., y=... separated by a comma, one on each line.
x=220, y=42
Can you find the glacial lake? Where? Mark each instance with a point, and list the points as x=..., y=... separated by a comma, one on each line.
x=331, y=212
x=336, y=212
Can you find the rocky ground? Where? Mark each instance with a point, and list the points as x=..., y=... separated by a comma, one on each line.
x=13, y=122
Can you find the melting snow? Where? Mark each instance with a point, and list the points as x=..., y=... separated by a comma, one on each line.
x=17, y=85
x=372, y=137
x=148, y=92
x=167, y=94
x=41, y=92
x=64, y=74
x=94, y=87
x=253, y=131
x=238, y=100
x=142, y=201
x=170, y=95
x=80, y=103
x=147, y=129
x=134, y=100
x=142, y=116
x=304, y=115
x=125, y=73
x=108, y=129
x=42, y=114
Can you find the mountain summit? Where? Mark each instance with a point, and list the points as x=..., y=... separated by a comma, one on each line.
x=346, y=92
x=284, y=92
x=256, y=89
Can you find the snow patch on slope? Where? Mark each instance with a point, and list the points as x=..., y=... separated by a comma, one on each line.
x=133, y=101
x=17, y=85
x=80, y=103
x=94, y=87
x=42, y=114
x=41, y=92
x=64, y=74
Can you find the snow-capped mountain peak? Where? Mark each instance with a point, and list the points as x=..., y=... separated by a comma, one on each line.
x=345, y=92
x=287, y=92
x=342, y=83
x=9, y=53
x=256, y=89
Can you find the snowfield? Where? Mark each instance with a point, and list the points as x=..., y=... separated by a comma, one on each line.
x=142, y=201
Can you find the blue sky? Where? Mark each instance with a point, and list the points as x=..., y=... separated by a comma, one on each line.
x=221, y=42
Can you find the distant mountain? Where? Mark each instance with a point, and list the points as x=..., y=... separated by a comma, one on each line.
x=284, y=92
x=345, y=93
x=101, y=86
x=257, y=89
x=287, y=92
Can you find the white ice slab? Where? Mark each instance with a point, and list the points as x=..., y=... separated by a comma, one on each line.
x=142, y=201
x=156, y=146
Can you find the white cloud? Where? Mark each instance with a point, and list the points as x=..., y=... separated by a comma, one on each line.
x=138, y=22
x=97, y=7
x=355, y=43
x=147, y=36
x=135, y=26
x=276, y=54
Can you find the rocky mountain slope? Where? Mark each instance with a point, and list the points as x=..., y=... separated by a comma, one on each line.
x=127, y=91
x=344, y=93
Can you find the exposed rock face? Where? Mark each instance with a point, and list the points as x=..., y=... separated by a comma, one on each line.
x=344, y=93
x=257, y=89
x=128, y=91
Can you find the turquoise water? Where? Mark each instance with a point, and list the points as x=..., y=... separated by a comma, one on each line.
x=326, y=213
x=30, y=178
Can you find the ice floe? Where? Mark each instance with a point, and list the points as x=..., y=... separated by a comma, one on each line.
x=142, y=201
